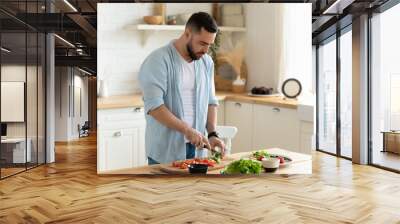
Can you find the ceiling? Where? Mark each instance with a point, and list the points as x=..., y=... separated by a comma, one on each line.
x=76, y=22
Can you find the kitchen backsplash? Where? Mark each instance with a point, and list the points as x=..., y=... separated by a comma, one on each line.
x=122, y=48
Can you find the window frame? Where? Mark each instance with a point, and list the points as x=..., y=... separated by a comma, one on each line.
x=334, y=37
x=381, y=9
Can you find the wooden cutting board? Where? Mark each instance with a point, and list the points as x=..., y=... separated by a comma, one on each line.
x=168, y=168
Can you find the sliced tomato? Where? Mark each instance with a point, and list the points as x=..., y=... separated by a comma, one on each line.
x=183, y=164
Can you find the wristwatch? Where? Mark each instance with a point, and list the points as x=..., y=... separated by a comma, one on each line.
x=213, y=134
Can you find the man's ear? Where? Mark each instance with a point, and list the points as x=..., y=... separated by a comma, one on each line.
x=188, y=32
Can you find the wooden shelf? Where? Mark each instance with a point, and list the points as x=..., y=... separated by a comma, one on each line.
x=150, y=29
x=180, y=27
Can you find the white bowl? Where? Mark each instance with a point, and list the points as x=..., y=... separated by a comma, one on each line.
x=270, y=164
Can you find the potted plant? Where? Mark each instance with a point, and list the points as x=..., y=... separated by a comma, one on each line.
x=214, y=48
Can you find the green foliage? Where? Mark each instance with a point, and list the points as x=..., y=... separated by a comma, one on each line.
x=262, y=153
x=216, y=156
x=212, y=51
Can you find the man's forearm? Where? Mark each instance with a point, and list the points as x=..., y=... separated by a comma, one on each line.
x=211, y=118
x=165, y=117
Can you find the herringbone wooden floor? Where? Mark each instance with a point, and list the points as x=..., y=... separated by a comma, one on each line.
x=69, y=191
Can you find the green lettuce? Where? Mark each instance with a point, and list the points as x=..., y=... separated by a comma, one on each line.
x=243, y=166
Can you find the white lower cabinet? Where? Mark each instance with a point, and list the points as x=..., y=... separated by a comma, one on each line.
x=121, y=139
x=240, y=115
x=119, y=148
x=275, y=127
x=263, y=126
x=121, y=132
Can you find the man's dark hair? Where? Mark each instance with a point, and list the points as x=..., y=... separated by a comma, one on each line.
x=202, y=20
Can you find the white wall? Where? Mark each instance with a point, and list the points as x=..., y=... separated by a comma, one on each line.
x=17, y=73
x=278, y=44
x=12, y=73
x=297, y=45
x=66, y=121
x=33, y=127
x=262, y=22
x=80, y=82
x=273, y=53
x=61, y=103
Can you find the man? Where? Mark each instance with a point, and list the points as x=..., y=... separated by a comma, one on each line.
x=179, y=94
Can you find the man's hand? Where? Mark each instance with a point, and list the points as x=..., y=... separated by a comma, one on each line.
x=196, y=138
x=165, y=117
x=216, y=142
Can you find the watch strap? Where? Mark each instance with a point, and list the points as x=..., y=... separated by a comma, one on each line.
x=213, y=134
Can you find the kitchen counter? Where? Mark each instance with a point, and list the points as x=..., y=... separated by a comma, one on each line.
x=278, y=101
x=113, y=102
x=302, y=164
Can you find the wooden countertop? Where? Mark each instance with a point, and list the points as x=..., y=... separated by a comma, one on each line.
x=302, y=164
x=114, y=102
x=278, y=101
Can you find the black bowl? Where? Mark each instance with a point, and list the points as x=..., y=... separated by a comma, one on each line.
x=270, y=170
x=198, y=168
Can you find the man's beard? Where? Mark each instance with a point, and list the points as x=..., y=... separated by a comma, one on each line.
x=192, y=54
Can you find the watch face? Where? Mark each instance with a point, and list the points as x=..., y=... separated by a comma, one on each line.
x=291, y=88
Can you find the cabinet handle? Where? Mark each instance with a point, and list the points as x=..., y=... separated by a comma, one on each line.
x=275, y=109
x=118, y=134
x=238, y=104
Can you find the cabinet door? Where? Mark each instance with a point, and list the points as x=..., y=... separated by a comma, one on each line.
x=240, y=115
x=121, y=139
x=119, y=148
x=275, y=127
x=140, y=150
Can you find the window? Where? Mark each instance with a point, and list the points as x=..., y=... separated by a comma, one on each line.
x=333, y=137
x=394, y=102
x=22, y=74
x=327, y=96
x=385, y=89
x=346, y=93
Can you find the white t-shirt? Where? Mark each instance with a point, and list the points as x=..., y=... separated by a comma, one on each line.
x=188, y=93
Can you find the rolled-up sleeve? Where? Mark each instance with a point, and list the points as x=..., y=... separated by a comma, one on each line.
x=212, y=98
x=153, y=82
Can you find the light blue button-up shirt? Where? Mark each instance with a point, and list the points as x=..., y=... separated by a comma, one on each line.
x=160, y=81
